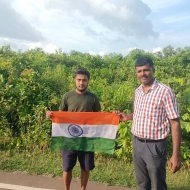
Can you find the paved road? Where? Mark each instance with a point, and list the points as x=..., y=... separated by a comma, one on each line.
x=23, y=181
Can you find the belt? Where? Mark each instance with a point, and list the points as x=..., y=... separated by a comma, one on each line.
x=149, y=140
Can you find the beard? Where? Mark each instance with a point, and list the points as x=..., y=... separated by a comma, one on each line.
x=82, y=90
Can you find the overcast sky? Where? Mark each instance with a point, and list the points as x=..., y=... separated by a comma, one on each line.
x=94, y=26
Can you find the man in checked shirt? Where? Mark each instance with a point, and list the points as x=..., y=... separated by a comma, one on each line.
x=155, y=112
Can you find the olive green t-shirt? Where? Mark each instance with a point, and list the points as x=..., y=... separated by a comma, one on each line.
x=73, y=102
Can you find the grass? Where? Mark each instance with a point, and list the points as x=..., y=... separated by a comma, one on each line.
x=109, y=170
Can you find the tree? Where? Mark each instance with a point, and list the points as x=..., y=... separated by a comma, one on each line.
x=168, y=51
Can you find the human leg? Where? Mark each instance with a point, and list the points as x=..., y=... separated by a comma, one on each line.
x=156, y=164
x=150, y=164
x=69, y=158
x=67, y=177
x=84, y=178
x=86, y=160
x=141, y=172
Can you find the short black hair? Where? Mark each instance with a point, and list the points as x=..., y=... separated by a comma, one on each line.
x=143, y=61
x=82, y=71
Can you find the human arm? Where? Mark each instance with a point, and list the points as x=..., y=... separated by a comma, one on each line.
x=172, y=111
x=96, y=106
x=123, y=116
x=64, y=103
x=175, y=161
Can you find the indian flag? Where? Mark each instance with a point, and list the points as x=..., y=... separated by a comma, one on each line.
x=85, y=131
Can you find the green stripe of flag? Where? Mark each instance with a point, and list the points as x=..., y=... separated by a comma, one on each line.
x=83, y=144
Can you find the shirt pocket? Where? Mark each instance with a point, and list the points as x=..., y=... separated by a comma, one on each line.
x=156, y=109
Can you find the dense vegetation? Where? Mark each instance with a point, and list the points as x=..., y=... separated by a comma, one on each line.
x=33, y=81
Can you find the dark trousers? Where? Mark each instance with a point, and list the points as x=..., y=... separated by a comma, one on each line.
x=150, y=164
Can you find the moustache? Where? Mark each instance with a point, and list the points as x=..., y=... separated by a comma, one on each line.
x=145, y=77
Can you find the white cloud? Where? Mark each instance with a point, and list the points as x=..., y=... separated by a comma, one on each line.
x=14, y=26
x=33, y=45
x=128, y=18
x=157, y=49
x=92, y=53
x=4, y=39
x=101, y=53
x=50, y=48
x=131, y=48
x=98, y=25
x=90, y=32
x=157, y=5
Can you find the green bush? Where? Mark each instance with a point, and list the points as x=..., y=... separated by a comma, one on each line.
x=33, y=81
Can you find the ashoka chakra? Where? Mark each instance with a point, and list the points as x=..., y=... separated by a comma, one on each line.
x=75, y=130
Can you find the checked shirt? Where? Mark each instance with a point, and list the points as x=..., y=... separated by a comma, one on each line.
x=152, y=111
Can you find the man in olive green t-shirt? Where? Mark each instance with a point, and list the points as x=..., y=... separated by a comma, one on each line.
x=78, y=100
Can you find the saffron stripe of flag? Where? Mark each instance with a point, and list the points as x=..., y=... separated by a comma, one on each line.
x=84, y=131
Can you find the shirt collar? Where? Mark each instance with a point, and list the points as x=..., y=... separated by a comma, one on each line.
x=152, y=87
